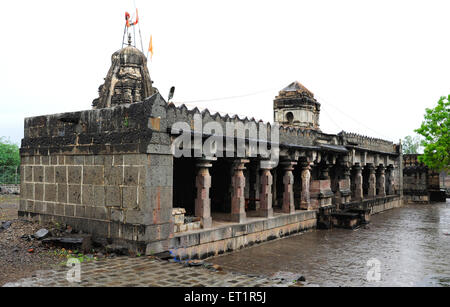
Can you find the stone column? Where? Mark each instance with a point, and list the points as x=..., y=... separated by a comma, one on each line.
x=238, y=198
x=288, y=181
x=305, y=201
x=265, y=192
x=381, y=181
x=358, y=183
x=202, y=200
x=347, y=173
x=390, y=180
x=372, y=191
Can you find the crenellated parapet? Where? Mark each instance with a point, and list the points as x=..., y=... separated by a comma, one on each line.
x=369, y=143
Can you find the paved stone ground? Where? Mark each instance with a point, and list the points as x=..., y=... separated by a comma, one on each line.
x=145, y=272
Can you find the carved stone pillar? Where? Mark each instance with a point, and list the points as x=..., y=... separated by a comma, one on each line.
x=265, y=196
x=202, y=200
x=238, y=198
x=358, y=183
x=371, y=192
x=381, y=181
x=288, y=193
x=390, y=180
x=305, y=201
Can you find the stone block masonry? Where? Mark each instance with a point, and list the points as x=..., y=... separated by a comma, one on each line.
x=98, y=171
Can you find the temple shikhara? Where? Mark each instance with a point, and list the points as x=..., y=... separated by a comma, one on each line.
x=110, y=171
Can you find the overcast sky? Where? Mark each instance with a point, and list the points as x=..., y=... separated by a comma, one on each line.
x=373, y=65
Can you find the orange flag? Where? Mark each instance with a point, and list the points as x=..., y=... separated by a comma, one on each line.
x=150, y=47
x=127, y=18
x=137, y=18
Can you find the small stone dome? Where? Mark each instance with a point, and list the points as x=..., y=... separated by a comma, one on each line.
x=129, y=55
x=296, y=106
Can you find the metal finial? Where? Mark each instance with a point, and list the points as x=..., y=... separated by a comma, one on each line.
x=129, y=39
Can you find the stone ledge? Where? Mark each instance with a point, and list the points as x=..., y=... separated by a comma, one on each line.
x=236, y=230
x=218, y=247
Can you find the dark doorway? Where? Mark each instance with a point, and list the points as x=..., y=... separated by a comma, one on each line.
x=184, y=190
x=220, y=192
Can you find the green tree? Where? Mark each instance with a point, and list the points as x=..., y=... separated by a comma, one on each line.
x=411, y=144
x=436, y=132
x=9, y=161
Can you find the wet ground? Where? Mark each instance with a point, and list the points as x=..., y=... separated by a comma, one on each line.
x=408, y=246
x=143, y=272
x=411, y=245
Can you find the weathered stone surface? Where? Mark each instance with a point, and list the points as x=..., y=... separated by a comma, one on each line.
x=265, y=196
x=202, y=200
x=288, y=193
x=238, y=198
x=305, y=202
x=93, y=175
x=127, y=81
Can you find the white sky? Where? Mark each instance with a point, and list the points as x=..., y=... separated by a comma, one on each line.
x=380, y=63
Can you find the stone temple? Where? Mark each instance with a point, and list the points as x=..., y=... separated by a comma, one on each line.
x=111, y=171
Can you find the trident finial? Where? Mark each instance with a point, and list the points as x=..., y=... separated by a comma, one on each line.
x=129, y=39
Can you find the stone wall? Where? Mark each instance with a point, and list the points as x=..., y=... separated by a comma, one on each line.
x=107, y=172
x=9, y=189
x=421, y=184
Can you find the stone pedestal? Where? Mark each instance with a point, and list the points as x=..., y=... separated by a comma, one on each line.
x=371, y=192
x=202, y=200
x=321, y=194
x=357, y=183
x=305, y=201
x=265, y=196
x=288, y=193
x=381, y=181
x=238, y=197
x=343, y=193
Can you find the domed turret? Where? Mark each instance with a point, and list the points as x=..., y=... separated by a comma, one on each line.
x=127, y=81
x=296, y=106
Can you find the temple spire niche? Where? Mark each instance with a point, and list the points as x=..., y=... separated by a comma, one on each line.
x=127, y=81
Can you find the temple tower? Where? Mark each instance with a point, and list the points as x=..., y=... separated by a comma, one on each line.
x=296, y=106
x=127, y=81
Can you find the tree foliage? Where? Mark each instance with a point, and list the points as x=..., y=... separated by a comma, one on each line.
x=436, y=132
x=9, y=153
x=9, y=161
x=411, y=144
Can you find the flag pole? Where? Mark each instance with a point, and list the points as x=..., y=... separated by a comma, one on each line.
x=124, y=32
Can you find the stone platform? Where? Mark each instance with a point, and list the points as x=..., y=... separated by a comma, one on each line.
x=227, y=236
x=358, y=213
